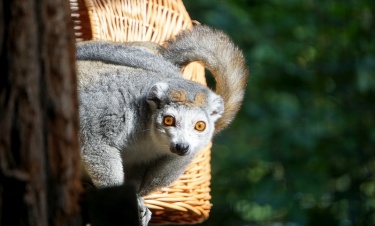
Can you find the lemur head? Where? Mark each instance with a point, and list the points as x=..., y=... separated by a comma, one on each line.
x=184, y=115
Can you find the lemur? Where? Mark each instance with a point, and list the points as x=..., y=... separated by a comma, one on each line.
x=141, y=122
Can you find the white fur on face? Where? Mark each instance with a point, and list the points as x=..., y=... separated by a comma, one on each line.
x=184, y=132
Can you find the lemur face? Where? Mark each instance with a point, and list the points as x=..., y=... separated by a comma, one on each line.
x=183, y=129
x=184, y=123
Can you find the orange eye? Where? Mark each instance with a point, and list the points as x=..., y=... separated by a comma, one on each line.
x=200, y=126
x=169, y=120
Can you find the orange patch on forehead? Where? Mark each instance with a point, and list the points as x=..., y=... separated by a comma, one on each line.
x=200, y=99
x=180, y=97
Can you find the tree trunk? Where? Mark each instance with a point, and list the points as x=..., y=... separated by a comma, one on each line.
x=39, y=150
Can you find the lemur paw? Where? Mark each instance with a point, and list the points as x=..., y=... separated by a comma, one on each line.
x=144, y=213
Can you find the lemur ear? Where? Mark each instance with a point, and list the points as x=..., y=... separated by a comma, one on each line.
x=216, y=106
x=156, y=95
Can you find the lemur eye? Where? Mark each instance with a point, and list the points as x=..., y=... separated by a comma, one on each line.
x=200, y=126
x=169, y=120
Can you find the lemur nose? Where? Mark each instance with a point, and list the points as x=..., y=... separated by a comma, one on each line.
x=181, y=148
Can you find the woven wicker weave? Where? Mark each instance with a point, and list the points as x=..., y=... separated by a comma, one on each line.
x=187, y=201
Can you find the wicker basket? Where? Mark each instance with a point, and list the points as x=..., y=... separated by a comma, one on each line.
x=187, y=201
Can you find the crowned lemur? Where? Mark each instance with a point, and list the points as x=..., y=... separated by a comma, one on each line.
x=141, y=122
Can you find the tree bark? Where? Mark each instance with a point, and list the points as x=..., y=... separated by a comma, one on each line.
x=39, y=149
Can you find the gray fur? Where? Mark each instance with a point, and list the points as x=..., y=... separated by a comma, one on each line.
x=126, y=90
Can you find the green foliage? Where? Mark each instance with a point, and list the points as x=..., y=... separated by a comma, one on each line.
x=302, y=149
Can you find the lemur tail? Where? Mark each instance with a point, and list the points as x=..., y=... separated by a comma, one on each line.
x=221, y=57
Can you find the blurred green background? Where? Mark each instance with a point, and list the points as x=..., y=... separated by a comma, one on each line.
x=302, y=149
